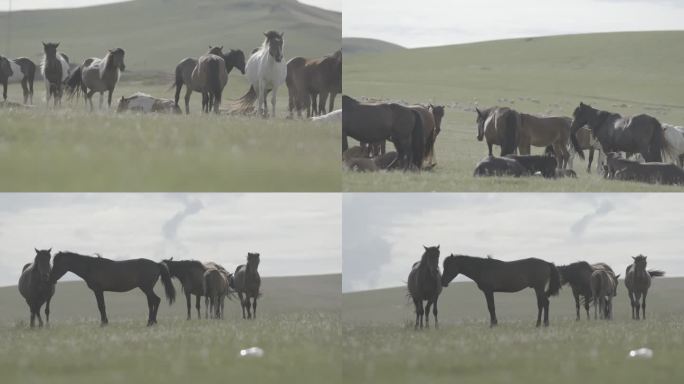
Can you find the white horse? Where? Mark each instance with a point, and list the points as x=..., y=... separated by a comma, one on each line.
x=265, y=71
x=674, y=140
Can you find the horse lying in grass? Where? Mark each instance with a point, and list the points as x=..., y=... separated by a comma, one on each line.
x=385, y=162
x=652, y=173
x=546, y=165
x=141, y=102
x=499, y=166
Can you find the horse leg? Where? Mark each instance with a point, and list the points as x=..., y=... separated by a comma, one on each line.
x=25, y=89
x=47, y=311
x=428, y=304
x=586, y=307
x=489, y=295
x=321, y=103
x=109, y=98
x=188, y=301
x=631, y=303
x=242, y=303
x=248, y=306
x=206, y=306
x=4, y=91
x=150, y=307
x=637, y=299
x=89, y=98
x=540, y=305
x=332, y=101
x=33, y=315
x=577, y=305
x=101, y=99
x=254, y=305
x=490, y=145
x=273, y=102
x=591, y=159
x=99, y=295
x=188, y=93
x=197, y=305
x=643, y=307
x=434, y=313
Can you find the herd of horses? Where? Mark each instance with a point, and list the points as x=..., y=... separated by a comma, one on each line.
x=413, y=131
x=210, y=280
x=311, y=82
x=590, y=283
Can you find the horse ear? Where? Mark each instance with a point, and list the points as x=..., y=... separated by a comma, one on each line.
x=35, y=249
x=56, y=45
x=265, y=34
x=49, y=250
x=437, y=246
x=634, y=257
x=44, y=45
x=221, y=48
x=282, y=34
x=617, y=277
x=425, y=247
x=479, y=113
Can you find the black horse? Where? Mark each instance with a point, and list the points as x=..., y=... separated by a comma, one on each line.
x=493, y=275
x=425, y=284
x=104, y=275
x=190, y=273
x=35, y=286
x=636, y=134
x=578, y=275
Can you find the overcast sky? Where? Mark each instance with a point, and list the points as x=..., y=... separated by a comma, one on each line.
x=440, y=22
x=296, y=234
x=335, y=5
x=384, y=234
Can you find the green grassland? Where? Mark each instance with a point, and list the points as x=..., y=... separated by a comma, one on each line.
x=626, y=73
x=298, y=326
x=380, y=345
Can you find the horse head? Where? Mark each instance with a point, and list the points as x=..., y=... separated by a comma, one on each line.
x=274, y=40
x=581, y=116
x=218, y=51
x=5, y=67
x=450, y=269
x=117, y=58
x=50, y=49
x=60, y=266
x=235, y=58
x=41, y=263
x=430, y=258
x=639, y=262
x=252, y=260
x=438, y=114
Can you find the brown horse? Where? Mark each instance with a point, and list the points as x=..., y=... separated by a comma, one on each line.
x=425, y=284
x=587, y=141
x=545, y=131
x=190, y=273
x=578, y=275
x=432, y=125
x=638, y=281
x=499, y=126
x=602, y=292
x=493, y=275
x=307, y=79
x=104, y=275
x=35, y=286
x=371, y=123
x=211, y=77
x=216, y=288
x=247, y=283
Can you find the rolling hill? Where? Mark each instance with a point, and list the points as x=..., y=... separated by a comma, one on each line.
x=355, y=45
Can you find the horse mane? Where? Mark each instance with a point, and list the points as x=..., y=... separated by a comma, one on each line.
x=85, y=257
x=186, y=263
x=108, y=61
x=479, y=260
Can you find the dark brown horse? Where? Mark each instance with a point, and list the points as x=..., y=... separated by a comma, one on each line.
x=35, y=286
x=308, y=79
x=104, y=275
x=247, y=283
x=638, y=281
x=499, y=166
x=545, y=165
x=636, y=134
x=493, y=275
x=425, y=284
x=432, y=125
x=578, y=275
x=499, y=126
x=216, y=288
x=211, y=77
x=372, y=123
x=190, y=273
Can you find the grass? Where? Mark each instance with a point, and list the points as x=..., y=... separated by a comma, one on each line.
x=298, y=328
x=380, y=345
x=626, y=73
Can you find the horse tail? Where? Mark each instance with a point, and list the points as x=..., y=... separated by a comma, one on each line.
x=575, y=144
x=177, y=79
x=214, y=81
x=554, y=281
x=166, y=281
x=417, y=140
x=245, y=104
x=74, y=82
x=510, y=133
x=656, y=273
x=658, y=145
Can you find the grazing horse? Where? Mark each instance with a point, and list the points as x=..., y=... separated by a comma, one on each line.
x=216, y=288
x=432, y=122
x=602, y=292
x=371, y=123
x=21, y=70
x=425, y=284
x=35, y=286
x=98, y=75
x=55, y=70
x=578, y=275
x=246, y=281
x=104, y=275
x=674, y=140
x=307, y=79
x=587, y=141
x=190, y=273
x=210, y=76
x=232, y=59
x=493, y=275
x=552, y=131
x=641, y=134
x=637, y=281
x=500, y=126
x=266, y=72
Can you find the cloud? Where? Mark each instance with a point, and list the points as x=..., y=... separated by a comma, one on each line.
x=579, y=227
x=191, y=207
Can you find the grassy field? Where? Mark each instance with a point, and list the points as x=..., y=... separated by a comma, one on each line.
x=621, y=72
x=380, y=345
x=297, y=326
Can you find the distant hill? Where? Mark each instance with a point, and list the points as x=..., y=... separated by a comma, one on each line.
x=354, y=45
x=157, y=34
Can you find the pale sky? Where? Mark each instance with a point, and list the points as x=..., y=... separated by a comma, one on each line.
x=296, y=234
x=335, y=5
x=384, y=234
x=441, y=22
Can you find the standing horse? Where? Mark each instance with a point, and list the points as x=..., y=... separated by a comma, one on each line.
x=674, y=140
x=602, y=292
x=98, y=75
x=35, y=286
x=266, y=71
x=425, y=284
x=432, y=123
x=587, y=141
x=246, y=281
x=637, y=281
x=493, y=275
x=307, y=79
x=21, y=70
x=500, y=126
x=641, y=134
x=211, y=77
x=216, y=288
x=104, y=275
x=578, y=275
x=372, y=123
x=545, y=131
x=190, y=273
x=232, y=59
x=55, y=69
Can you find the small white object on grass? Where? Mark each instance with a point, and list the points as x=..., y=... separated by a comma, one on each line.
x=641, y=353
x=252, y=352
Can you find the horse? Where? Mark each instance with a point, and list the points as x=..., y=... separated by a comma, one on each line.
x=190, y=273
x=235, y=58
x=641, y=134
x=587, y=141
x=247, y=282
x=425, y=284
x=21, y=70
x=384, y=162
x=500, y=126
x=493, y=275
x=578, y=275
x=210, y=76
x=266, y=72
x=546, y=165
x=602, y=293
x=553, y=131
x=55, y=70
x=216, y=288
x=499, y=166
x=104, y=275
x=371, y=123
x=142, y=102
x=35, y=286
x=652, y=173
x=97, y=75
x=674, y=140
x=638, y=281
x=308, y=79
x=432, y=122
